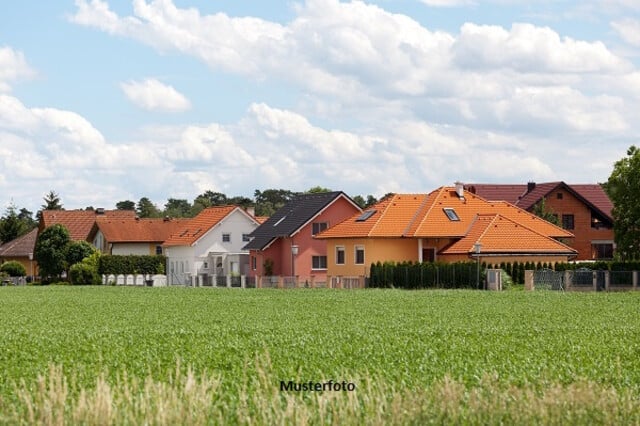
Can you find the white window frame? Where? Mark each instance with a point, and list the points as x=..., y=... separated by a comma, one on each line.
x=355, y=255
x=313, y=268
x=344, y=257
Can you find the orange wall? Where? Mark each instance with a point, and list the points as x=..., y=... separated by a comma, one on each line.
x=375, y=249
x=31, y=266
x=584, y=233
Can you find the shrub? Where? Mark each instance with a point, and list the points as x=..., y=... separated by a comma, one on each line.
x=84, y=274
x=13, y=269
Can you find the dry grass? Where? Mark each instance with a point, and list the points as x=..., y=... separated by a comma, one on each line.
x=185, y=398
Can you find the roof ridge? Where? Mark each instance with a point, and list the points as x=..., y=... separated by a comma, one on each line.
x=522, y=225
x=386, y=203
x=415, y=215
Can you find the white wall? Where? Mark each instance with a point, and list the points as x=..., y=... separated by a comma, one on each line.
x=236, y=224
x=130, y=248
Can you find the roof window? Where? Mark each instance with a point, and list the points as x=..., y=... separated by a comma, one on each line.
x=279, y=221
x=366, y=215
x=451, y=214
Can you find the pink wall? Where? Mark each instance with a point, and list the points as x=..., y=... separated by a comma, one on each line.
x=280, y=250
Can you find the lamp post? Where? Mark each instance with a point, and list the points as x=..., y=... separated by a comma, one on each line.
x=476, y=248
x=294, y=253
x=31, y=265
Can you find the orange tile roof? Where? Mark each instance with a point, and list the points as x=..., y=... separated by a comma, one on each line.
x=423, y=216
x=195, y=228
x=500, y=235
x=81, y=223
x=139, y=230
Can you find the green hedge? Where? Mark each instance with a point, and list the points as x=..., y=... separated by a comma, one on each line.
x=131, y=264
x=410, y=275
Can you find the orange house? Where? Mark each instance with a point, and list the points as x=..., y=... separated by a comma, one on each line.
x=584, y=210
x=284, y=245
x=21, y=250
x=445, y=225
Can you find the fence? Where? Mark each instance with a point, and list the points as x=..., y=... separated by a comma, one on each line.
x=582, y=280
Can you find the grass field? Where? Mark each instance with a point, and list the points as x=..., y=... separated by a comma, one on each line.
x=147, y=354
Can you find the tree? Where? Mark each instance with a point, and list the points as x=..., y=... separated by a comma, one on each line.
x=126, y=205
x=177, y=208
x=13, y=268
x=146, y=208
x=270, y=200
x=11, y=227
x=317, y=190
x=52, y=201
x=623, y=188
x=76, y=251
x=50, y=251
x=541, y=210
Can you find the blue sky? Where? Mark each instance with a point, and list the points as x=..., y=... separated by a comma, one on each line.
x=104, y=101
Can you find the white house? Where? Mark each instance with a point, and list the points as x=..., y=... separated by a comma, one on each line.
x=209, y=247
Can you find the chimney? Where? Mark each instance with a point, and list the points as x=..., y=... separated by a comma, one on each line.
x=100, y=210
x=251, y=210
x=531, y=186
x=460, y=189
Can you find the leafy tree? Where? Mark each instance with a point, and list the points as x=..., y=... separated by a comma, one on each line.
x=50, y=251
x=177, y=208
x=360, y=201
x=270, y=200
x=317, y=190
x=52, y=201
x=76, y=251
x=145, y=208
x=11, y=227
x=26, y=217
x=126, y=205
x=241, y=201
x=371, y=200
x=623, y=188
x=13, y=269
x=541, y=210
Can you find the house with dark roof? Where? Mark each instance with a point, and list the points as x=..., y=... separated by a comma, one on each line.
x=447, y=225
x=21, y=250
x=583, y=209
x=284, y=245
x=141, y=236
x=209, y=246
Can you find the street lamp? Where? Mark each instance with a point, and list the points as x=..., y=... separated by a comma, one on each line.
x=294, y=253
x=476, y=248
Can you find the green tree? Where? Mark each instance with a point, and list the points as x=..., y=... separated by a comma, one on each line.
x=177, y=208
x=52, y=201
x=541, y=210
x=50, y=251
x=76, y=251
x=11, y=226
x=270, y=200
x=126, y=205
x=623, y=188
x=317, y=190
x=13, y=269
x=145, y=208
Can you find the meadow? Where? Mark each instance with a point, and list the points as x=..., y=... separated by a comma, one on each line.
x=113, y=355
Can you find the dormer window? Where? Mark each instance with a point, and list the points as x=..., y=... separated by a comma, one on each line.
x=451, y=214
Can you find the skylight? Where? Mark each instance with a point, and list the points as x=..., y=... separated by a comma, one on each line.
x=366, y=215
x=451, y=214
x=280, y=220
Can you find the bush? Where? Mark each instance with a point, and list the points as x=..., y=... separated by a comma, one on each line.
x=131, y=264
x=84, y=274
x=13, y=269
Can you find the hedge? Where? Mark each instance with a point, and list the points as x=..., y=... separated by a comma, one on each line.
x=131, y=264
x=410, y=275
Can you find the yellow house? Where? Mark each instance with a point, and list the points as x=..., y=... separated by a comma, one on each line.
x=446, y=225
x=21, y=250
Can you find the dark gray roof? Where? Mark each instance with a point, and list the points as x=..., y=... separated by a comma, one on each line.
x=291, y=217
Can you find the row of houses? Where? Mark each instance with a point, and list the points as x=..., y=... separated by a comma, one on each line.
x=328, y=234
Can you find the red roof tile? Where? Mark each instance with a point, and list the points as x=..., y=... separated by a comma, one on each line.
x=139, y=230
x=194, y=229
x=81, y=223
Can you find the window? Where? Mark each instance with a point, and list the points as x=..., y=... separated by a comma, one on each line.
x=359, y=259
x=366, y=215
x=567, y=221
x=318, y=262
x=254, y=263
x=429, y=254
x=559, y=195
x=226, y=238
x=246, y=238
x=339, y=255
x=602, y=251
x=205, y=265
x=318, y=227
x=451, y=214
x=158, y=249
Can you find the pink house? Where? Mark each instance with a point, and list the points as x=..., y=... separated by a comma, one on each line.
x=284, y=245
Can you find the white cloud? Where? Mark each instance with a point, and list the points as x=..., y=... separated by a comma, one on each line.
x=153, y=95
x=13, y=66
x=629, y=30
x=447, y=3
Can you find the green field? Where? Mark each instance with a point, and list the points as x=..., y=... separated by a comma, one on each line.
x=437, y=355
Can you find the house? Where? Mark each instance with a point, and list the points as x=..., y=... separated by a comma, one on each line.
x=210, y=246
x=21, y=250
x=448, y=225
x=284, y=245
x=141, y=236
x=82, y=224
x=585, y=210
